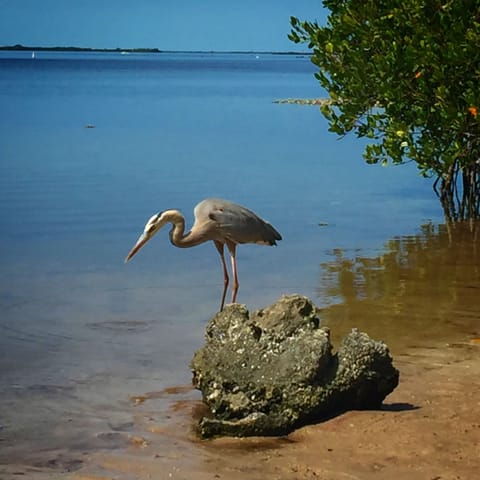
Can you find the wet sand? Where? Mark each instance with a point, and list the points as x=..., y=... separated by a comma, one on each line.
x=428, y=428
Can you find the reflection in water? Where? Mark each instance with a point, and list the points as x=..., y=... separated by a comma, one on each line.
x=423, y=290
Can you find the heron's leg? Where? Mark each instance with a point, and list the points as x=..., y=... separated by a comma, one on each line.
x=219, y=246
x=232, y=249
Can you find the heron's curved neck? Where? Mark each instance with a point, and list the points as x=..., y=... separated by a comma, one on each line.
x=177, y=233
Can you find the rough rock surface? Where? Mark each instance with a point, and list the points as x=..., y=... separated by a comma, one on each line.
x=273, y=371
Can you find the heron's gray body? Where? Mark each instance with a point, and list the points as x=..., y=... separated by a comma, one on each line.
x=229, y=221
x=218, y=220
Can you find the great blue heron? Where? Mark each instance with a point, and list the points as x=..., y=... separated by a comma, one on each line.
x=223, y=222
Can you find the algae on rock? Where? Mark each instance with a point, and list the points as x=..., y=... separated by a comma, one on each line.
x=272, y=371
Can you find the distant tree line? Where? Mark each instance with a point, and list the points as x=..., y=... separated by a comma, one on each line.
x=20, y=47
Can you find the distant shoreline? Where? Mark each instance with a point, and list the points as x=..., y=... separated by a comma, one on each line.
x=29, y=48
x=76, y=49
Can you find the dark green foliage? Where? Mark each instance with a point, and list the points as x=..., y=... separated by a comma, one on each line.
x=406, y=74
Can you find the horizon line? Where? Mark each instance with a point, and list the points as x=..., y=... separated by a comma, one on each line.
x=21, y=47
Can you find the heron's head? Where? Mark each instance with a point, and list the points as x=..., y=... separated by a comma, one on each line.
x=153, y=225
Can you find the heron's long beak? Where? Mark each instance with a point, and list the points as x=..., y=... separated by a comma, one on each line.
x=142, y=240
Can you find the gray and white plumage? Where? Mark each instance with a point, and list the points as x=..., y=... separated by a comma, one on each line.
x=221, y=221
x=235, y=222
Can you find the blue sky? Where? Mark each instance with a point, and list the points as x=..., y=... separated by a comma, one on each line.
x=164, y=24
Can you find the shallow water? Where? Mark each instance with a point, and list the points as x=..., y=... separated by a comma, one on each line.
x=81, y=332
x=422, y=291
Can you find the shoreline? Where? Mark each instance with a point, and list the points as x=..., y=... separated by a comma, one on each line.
x=427, y=428
x=60, y=48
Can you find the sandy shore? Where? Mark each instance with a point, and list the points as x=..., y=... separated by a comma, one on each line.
x=429, y=428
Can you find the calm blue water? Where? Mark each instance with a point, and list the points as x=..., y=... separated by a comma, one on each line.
x=80, y=331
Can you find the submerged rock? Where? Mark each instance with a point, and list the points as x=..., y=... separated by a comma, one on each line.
x=273, y=371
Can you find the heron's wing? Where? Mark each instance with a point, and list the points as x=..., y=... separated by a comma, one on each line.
x=239, y=224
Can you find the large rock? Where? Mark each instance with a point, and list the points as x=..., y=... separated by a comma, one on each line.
x=274, y=371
